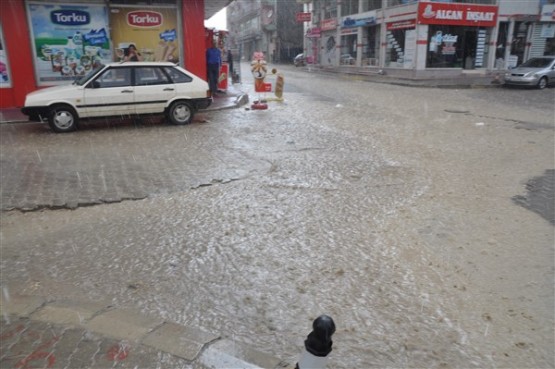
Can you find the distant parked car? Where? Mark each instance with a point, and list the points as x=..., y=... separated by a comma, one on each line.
x=121, y=89
x=299, y=60
x=539, y=72
x=346, y=59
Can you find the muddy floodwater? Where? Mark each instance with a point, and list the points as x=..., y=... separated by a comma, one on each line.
x=403, y=213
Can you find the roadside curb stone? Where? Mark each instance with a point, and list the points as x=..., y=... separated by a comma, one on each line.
x=223, y=354
x=182, y=341
x=125, y=324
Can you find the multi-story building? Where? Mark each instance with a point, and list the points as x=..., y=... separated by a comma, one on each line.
x=269, y=26
x=421, y=38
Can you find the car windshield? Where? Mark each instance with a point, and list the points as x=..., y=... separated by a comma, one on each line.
x=537, y=63
x=81, y=81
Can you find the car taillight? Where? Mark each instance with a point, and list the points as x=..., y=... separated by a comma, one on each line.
x=208, y=93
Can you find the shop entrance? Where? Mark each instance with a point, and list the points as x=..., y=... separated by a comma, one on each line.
x=469, y=49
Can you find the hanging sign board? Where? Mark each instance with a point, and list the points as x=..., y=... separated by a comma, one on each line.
x=457, y=14
x=303, y=17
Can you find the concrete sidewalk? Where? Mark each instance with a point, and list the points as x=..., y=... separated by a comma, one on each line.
x=37, y=333
x=471, y=79
x=229, y=99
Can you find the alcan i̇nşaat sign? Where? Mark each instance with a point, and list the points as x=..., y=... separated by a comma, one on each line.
x=457, y=14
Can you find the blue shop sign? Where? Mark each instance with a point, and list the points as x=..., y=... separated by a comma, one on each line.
x=361, y=22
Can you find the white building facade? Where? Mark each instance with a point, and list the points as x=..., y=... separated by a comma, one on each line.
x=420, y=38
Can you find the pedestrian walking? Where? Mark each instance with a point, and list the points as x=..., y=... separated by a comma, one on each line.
x=213, y=62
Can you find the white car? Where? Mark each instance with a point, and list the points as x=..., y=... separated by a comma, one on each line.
x=121, y=89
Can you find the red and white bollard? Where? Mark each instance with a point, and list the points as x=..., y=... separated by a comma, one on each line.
x=317, y=344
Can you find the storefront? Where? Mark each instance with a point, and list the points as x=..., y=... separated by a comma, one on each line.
x=313, y=41
x=459, y=35
x=401, y=44
x=359, y=37
x=329, y=42
x=543, y=35
x=54, y=42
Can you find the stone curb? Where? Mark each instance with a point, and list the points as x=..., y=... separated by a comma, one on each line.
x=446, y=83
x=189, y=343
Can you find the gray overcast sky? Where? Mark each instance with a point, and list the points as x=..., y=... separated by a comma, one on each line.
x=217, y=21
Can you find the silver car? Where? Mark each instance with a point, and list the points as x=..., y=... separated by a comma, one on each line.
x=539, y=72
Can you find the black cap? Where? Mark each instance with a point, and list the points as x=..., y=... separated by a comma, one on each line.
x=319, y=342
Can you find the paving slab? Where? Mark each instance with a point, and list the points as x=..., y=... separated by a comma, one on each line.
x=68, y=312
x=22, y=306
x=126, y=324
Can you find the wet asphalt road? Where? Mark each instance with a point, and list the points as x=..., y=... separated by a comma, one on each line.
x=389, y=208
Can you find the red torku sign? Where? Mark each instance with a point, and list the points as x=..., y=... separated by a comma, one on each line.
x=457, y=14
x=304, y=17
x=144, y=18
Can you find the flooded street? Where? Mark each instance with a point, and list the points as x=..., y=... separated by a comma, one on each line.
x=397, y=211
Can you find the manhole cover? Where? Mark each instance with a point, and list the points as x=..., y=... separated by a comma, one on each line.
x=456, y=111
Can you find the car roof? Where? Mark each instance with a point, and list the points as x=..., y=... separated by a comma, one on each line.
x=135, y=63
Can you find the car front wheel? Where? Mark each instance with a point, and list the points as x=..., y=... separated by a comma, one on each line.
x=180, y=112
x=542, y=83
x=62, y=118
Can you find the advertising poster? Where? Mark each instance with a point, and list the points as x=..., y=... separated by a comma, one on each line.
x=5, y=80
x=68, y=40
x=153, y=32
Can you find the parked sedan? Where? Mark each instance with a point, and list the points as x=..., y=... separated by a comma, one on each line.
x=121, y=89
x=346, y=59
x=539, y=71
x=299, y=60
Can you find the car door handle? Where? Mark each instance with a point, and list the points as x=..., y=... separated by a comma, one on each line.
x=126, y=91
x=169, y=89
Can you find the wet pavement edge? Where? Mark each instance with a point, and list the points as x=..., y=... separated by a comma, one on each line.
x=36, y=331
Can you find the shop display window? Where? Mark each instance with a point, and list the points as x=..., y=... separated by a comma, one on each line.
x=348, y=50
x=457, y=47
x=371, y=46
x=395, y=54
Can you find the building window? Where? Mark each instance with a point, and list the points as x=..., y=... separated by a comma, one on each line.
x=371, y=5
x=349, y=7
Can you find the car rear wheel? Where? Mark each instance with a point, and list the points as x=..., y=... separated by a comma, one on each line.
x=542, y=83
x=62, y=118
x=180, y=113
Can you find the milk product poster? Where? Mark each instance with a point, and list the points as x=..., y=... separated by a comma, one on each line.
x=5, y=80
x=153, y=32
x=68, y=40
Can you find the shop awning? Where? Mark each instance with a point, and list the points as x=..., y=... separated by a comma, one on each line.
x=211, y=7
